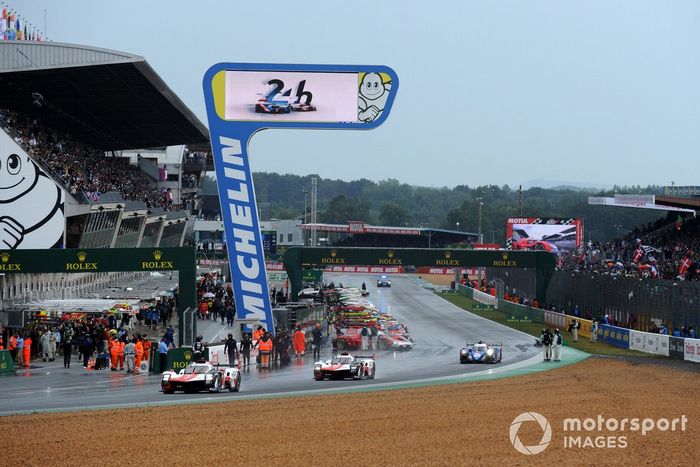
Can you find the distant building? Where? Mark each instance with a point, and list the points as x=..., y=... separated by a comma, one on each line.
x=687, y=190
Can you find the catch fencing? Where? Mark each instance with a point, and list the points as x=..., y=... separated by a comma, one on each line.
x=629, y=300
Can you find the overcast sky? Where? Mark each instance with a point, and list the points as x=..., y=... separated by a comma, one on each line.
x=492, y=92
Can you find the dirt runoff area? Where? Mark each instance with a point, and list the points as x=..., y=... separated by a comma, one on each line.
x=456, y=424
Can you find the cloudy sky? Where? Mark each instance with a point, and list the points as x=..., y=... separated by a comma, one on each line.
x=492, y=92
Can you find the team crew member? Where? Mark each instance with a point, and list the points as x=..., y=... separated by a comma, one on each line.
x=246, y=345
x=19, y=361
x=374, y=335
x=546, y=340
x=120, y=353
x=67, y=349
x=364, y=334
x=146, y=348
x=27, y=351
x=265, y=347
x=113, y=351
x=594, y=331
x=575, y=326
x=198, y=349
x=130, y=355
x=12, y=347
x=138, y=354
x=163, y=354
x=231, y=349
x=556, y=345
x=299, y=342
x=317, y=339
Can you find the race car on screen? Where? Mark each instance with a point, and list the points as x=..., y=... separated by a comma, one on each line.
x=272, y=107
x=201, y=376
x=299, y=107
x=529, y=244
x=481, y=353
x=345, y=366
x=385, y=341
x=383, y=281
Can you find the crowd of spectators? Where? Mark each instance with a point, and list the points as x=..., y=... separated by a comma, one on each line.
x=214, y=301
x=666, y=249
x=85, y=172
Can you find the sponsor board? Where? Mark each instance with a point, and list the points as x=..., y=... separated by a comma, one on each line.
x=676, y=348
x=448, y=271
x=649, y=342
x=691, y=350
x=366, y=269
x=619, y=337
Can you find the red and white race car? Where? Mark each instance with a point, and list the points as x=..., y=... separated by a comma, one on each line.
x=201, y=376
x=345, y=366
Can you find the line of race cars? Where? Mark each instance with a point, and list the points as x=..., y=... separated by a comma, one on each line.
x=351, y=312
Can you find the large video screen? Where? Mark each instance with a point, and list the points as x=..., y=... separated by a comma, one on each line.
x=547, y=234
x=305, y=96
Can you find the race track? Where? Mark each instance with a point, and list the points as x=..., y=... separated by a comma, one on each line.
x=438, y=329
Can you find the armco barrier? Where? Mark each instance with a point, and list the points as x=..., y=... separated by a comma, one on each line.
x=691, y=350
x=649, y=342
x=619, y=337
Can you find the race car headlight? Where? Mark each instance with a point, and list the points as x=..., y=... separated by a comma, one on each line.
x=489, y=352
x=463, y=352
x=166, y=377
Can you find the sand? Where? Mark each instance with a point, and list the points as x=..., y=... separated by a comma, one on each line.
x=456, y=424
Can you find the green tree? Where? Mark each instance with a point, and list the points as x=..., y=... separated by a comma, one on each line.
x=394, y=214
x=342, y=209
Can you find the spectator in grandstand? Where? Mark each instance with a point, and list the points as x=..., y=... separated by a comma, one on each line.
x=84, y=171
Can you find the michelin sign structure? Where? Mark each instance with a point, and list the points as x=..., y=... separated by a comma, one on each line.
x=243, y=98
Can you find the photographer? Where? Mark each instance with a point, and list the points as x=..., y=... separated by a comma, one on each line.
x=546, y=339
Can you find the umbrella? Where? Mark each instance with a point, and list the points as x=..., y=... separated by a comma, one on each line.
x=208, y=295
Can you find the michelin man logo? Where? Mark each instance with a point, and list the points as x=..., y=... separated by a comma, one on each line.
x=31, y=205
x=374, y=92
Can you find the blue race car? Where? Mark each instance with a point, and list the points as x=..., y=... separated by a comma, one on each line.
x=481, y=353
x=383, y=281
x=272, y=107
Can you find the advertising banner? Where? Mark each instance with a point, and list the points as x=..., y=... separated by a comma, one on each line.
x=649, y=342
x=243, y=98
x=6, y=363
x=545, y=234
x=619, y=337
x=556, y=320
x=676, y=347
x=691, y=350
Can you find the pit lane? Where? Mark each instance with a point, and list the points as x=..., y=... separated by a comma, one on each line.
x=438, y=329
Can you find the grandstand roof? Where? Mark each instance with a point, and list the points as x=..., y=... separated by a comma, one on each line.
x=108, y=99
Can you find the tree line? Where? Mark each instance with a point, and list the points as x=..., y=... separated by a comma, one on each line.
x=392, y=203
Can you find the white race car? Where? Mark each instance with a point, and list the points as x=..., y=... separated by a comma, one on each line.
x=201, y=376
x=345, y=366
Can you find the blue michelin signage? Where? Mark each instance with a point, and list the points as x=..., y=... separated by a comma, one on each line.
x=243, y=98
x=619, y=337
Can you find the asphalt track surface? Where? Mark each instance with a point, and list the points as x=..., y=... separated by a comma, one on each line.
x=439, y=329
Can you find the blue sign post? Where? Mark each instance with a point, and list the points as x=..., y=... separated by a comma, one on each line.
x=243, y=98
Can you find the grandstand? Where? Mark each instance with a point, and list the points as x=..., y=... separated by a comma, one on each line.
x=95, y=152
x=80, y=114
